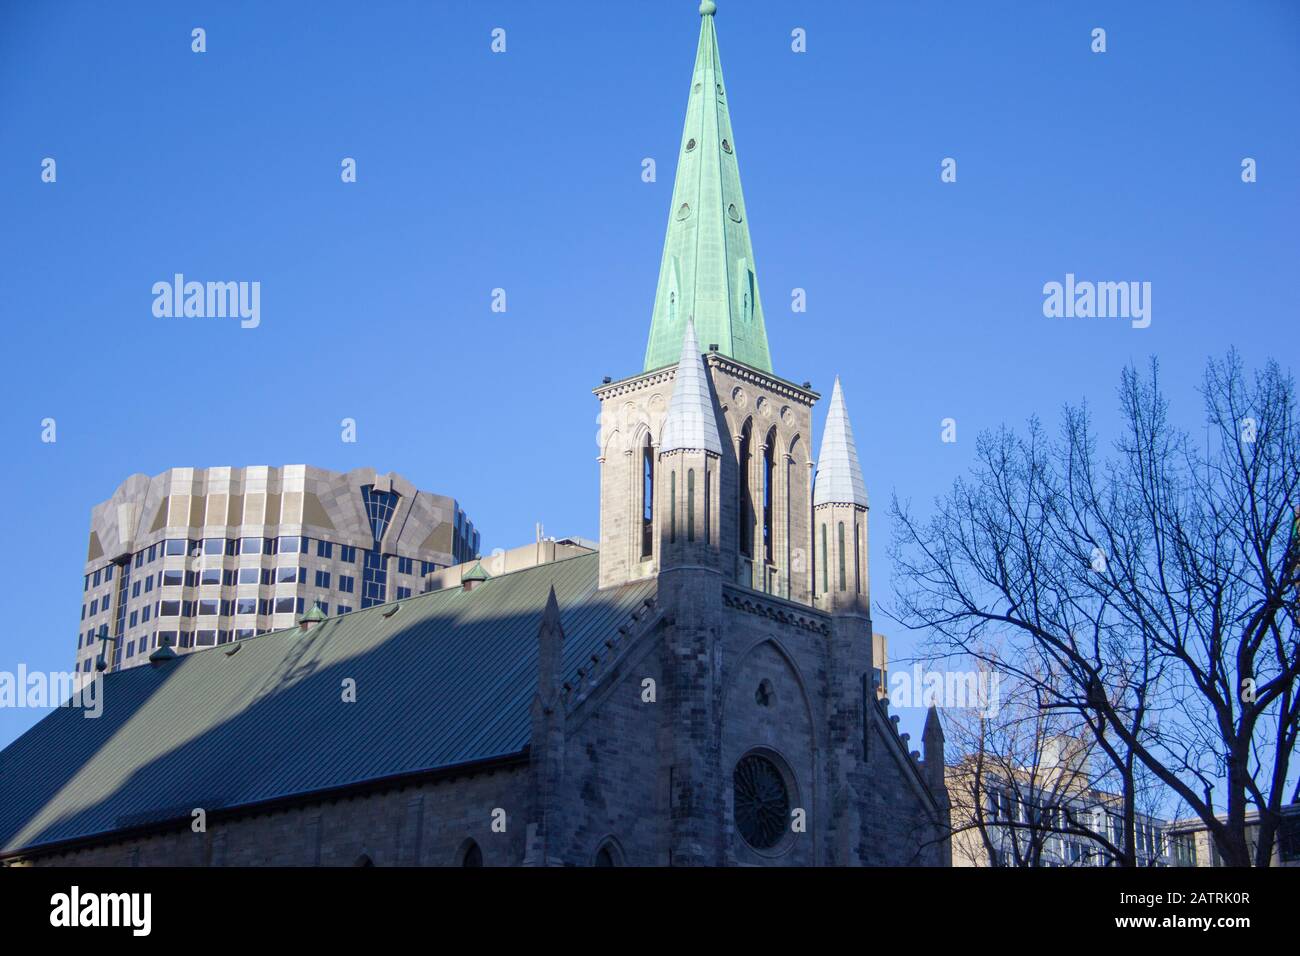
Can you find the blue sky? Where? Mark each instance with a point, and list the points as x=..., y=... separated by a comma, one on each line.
x=522, y=171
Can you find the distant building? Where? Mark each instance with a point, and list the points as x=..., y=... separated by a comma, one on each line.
x=880, y=665
x=500, y=562
x=1025, y=818
x=1190, y=843
x=200, y=556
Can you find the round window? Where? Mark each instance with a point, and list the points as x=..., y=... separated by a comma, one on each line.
x=733, y=212
x=683, y=212
x=762, y=803
x=690, y=145
x=726, y=147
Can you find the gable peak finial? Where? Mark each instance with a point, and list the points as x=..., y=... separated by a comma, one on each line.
x=551, y=613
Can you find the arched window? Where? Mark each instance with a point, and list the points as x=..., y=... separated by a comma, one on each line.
x=768, y=450
x=842, y=582
x=690, y=504
x=609, y=854
x=364, y=860
x=471, y=854
x=647, y=498
x=746, y=508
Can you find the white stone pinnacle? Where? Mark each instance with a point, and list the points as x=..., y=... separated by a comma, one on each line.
x=839, y=476
x=691, y=423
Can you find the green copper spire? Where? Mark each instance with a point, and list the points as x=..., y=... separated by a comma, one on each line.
x=708, y=270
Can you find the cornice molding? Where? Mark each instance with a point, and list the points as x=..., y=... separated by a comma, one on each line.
x=747, y=373
x=775, y=610
x=635, y=383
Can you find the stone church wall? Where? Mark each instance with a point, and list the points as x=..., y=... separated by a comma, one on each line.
x=616, y=777
x=426, y=824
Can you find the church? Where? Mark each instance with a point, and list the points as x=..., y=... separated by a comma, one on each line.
x=696, y=692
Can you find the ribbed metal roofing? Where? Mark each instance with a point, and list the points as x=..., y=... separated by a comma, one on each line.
x=447, y=679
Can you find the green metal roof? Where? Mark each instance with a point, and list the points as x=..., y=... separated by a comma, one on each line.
x=448, y=681
x=708, y=271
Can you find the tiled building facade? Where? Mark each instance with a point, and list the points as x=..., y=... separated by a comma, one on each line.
x=196, y=557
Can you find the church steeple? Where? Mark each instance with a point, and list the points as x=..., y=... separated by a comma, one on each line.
x=707, y=272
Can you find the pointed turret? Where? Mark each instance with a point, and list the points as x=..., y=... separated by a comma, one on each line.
x=690, y=459
x=691, y=422
x=840, y=518
x=933, y=732
x=932, y=746
x=707, y=272
x=546, y=746
x=839, y=476
x=550, y=650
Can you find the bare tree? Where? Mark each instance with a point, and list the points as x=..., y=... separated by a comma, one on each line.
x=1152, y=592
x=1028, y=776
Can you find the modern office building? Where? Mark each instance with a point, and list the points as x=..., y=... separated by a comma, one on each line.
x=200, y=556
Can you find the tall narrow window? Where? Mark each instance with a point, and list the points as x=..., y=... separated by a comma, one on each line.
x=672, y=507
x=826, y=585
x=746, y=508
x=857, y=557
x=708, y=490
x=768, y=446
x=690, y=504
x=647, y=499
x=842, y=584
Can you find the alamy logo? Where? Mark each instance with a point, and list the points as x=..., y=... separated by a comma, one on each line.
x=977, y=690
x=103, y=909
x=1102, y=300
x=209, y=300
x=38, y=689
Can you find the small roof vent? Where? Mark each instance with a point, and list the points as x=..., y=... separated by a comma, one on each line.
x=474, y=576
x=163, y=654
